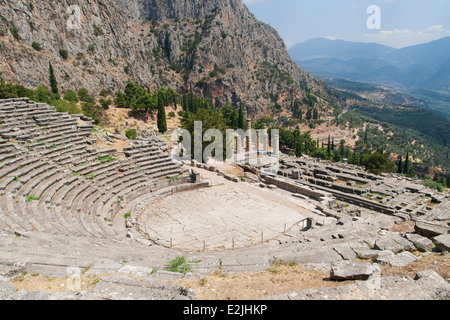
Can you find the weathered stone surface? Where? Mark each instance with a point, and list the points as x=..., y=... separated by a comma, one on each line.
x=366, y=253
x=442, y=242
x=6, y=291
x=387, y=243
x=346, y=253
x=352, y=270
x=421, y=243
x=163, y=275
x=400, y=260
x=118, y=288
x=430, y=229
x=137, y=271
x=428, y=285
x=320, y=255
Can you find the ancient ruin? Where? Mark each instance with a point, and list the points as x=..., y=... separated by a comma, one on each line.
x=67, y=206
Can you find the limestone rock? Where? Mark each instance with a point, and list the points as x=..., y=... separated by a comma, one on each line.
x=421, y=243
x=400, y=260
x=119, y=288
x=427, y=285
x=442, y=242
x=387, y=243
x=430, y=229
x=352, y=270
x=6, y=291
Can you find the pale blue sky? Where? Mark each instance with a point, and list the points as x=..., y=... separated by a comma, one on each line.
x=403, y=22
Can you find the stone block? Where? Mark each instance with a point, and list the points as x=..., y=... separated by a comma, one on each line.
x=442, y=242
x=352, y=270
x=421, y=243
x=430, y=229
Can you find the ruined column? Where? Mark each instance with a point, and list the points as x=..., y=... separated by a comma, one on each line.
x=248, y=147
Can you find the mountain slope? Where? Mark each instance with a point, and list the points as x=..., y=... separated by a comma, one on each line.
x=215, y=48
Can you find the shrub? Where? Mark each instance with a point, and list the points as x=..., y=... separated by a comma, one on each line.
x=131, y=134
x=15, y=32
x=105, y=103
x=172, y=114
x=83, y=95
x=64, y=54
x=31, y=198
x=106, y=159
x=71, y=96
x=36, y=46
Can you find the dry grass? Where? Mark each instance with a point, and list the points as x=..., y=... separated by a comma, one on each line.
x=38, y=282
x=278, y=279
x=430, y=261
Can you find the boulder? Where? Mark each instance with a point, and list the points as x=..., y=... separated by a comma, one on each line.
x=387, y=243
x=421, y=243
x=352, y=270
x=442, y=242
x=430, y=229
x=346, y=253
x=400, y=260
x=366, y=253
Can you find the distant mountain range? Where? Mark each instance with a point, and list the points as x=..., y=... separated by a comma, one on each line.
x=425, y=65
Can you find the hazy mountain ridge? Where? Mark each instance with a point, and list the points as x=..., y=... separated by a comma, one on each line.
x=421, y=65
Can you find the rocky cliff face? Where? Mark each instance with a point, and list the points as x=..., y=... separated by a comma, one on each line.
x=216, y=48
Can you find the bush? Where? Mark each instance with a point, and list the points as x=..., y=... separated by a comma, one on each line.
x=172, y=114
x=105, y=103
x=63, y=106
x=71, y=96
x=131, y=134
x=64, y=54
x=36, y=46
x=83, y=95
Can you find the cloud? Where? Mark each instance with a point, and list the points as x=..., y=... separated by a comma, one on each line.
x=399, y=38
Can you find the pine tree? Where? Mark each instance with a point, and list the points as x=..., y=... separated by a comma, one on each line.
x=162, y=123
x=53, y=82
x=241, y=119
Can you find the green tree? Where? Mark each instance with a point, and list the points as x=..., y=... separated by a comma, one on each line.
x=83, y=95
x=71, y=96
x=119, y=101
x=162, y=123
x=52, y=78
x=400, y=165
x=406, y=170
x=241, y=119
x=378, y=163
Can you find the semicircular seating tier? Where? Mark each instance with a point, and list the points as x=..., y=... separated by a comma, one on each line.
x=53, y=181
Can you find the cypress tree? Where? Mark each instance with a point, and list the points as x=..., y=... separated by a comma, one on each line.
x=329, y=145
x=53, y=82
x=406, y=163
x=400, y=165
x=162, y=123
x=241, y=119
